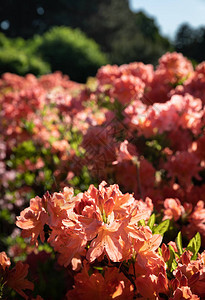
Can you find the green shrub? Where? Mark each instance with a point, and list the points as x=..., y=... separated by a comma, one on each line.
x=32, y=45
x=13, y=61
x=70, y=51
x=61, y=48
x=4, y=41
x=17, y=61
x=37, y=66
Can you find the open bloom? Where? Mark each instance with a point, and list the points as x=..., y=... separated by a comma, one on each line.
x=33, y=219
x=112, y=284
x=173, y=209
x=4, y=261
x=101, y=221
x=146, y=255
x=103, y=216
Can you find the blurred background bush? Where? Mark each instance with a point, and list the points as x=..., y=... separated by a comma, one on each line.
x=60, y=48
x=70, y=51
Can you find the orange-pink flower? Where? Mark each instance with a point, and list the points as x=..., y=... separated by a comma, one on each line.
x=4, y=261
x=127, y=88
x=111, y=285
x=33, y=219
x=184, y=293
x=173, y=209
x=146, y=255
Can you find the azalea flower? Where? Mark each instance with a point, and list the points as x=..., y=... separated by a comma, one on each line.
x=33, y=219
x=111, y=285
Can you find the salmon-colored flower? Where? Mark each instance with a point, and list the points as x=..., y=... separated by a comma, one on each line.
x=184, y=293
x=58, y=205
x=106, y=74
x=4, y=261
x=176, y=66
x=126, y=151
x=193, y=271
x=183, y=165
x=33, y=219
x=146, y=255
x=127, y=88
x=173, y=209
x=103, y=221
x=197, y=221
x=111, y=285
x=107, y=242
x=68, y=244
x=147, y=286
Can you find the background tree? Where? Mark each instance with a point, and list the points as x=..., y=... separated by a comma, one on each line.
x=191, y=42
x=124, y=35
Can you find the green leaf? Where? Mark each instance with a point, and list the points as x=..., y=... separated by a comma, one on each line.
x=29, y=178
x=179, y=243
x=141, y=223
x=191, y=246
x=197, y=242
x=56, y=159
x=194, y=245
x=172, y=256
x=151, y=221
x=6, y=216
x=98, y=268
x=172, y=264
x=162, y=227
x=29, y=126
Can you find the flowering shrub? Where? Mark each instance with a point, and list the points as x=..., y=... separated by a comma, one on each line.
x=142, y=238
x=113, y=243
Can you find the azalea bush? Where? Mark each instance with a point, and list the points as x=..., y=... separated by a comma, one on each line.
x=114, y=171
x=112, y=242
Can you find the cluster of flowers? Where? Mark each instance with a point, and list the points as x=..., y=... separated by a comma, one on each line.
x=152, y=141
x=34, y=141
x=132, y=125
x=113, y=243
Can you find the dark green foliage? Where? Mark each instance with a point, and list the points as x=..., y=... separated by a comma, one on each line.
x=12, y=61
x=191, y=42
x=18, y=56
x=20, y=63
x=61, y=48
x=4, y=41
x=139, y=40
x=71, y=52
